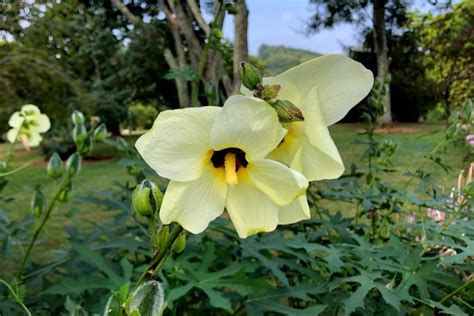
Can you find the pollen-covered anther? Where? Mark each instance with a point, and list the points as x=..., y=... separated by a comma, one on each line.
x=230, y=169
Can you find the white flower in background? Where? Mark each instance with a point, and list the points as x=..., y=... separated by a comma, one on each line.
x=27, y=125
x=324, y=89
x=216, y=159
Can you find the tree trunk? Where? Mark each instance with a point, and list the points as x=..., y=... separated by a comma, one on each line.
x=381, y=52
x=241, y=49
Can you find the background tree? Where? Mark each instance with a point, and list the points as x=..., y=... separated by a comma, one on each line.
x=446, y=41
x=385, y=14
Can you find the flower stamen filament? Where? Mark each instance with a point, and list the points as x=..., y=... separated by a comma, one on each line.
x=230, y=169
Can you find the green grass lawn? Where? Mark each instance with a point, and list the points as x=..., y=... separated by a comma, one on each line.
x=414, y=140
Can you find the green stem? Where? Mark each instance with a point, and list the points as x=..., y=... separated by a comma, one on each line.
x=41, y=226
x=17, y=169
x=17, y=298
x=162, y=254
x=432, y=152
x=462, y=287
x=444, y=227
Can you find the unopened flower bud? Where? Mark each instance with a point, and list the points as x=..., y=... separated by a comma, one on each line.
x=79, y=133
x=287, y=111
x=77, y=118
x=100, y=133
x=54, y=168
x=267, y=92
x=250, y=75
x=146, y=198
x=180, y=243
x=73, y=164
x=3, y=166
x=38, y=202
x=66, y=194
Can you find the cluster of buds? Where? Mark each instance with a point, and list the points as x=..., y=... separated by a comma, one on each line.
x=252, y=79
x=85, y=139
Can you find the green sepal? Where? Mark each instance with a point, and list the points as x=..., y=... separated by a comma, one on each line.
x=287, y=111
x=146, y=198
x=38, y=203
x=55, y=166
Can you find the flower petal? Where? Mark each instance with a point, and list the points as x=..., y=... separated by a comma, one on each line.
x=281, y=184
x=34, y=139
x=285, y=151
x=195, y=204
x=294, y=212
x=249, y=124
x=43, y=123
x=16, y=120
x=30, y=109
x=315, y=164
x=342, y=83
x=326, y=154
x=12, y=134
x=177, y=147
x=250, y=210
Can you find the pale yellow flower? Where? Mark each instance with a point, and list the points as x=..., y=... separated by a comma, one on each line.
x=216, y=158
x=324, y=89
x=27, y=124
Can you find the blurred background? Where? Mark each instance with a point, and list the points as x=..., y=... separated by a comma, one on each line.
x=125, y=60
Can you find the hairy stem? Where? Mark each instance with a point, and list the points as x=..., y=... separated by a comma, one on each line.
x=41, y=226
x=161, y=256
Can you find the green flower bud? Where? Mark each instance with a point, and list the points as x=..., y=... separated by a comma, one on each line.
x=100, y=133
x=77, y=118
x=73, y=164
x=287, y=112
x=180, y=243
x=79, y=133
x=54, y=168
x=268, y=93
x=85, y=147
x=146, y=198
x=162, y=236
x=38, y=203
x=250, y=75
x=3, y=166
x=66, y=194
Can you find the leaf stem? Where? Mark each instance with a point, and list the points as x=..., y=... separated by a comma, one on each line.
x=17, y=298
x=444, y=227
x=459, y=289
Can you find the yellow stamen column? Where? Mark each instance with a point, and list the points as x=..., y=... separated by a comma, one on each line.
x=230, y=170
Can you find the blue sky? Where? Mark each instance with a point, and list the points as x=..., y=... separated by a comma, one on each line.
x=282, y=22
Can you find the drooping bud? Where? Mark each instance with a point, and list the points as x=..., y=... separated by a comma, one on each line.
x=54, y=168
x=250, y=76
x=66, y=194
x=147, y=299
x=180, y=243
x=77, y=118
x=287, y=111
x=267, y=92
x=146, y=198
x=73, y=164
x=79, y=133
x=38, y=202
x=100, y=133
